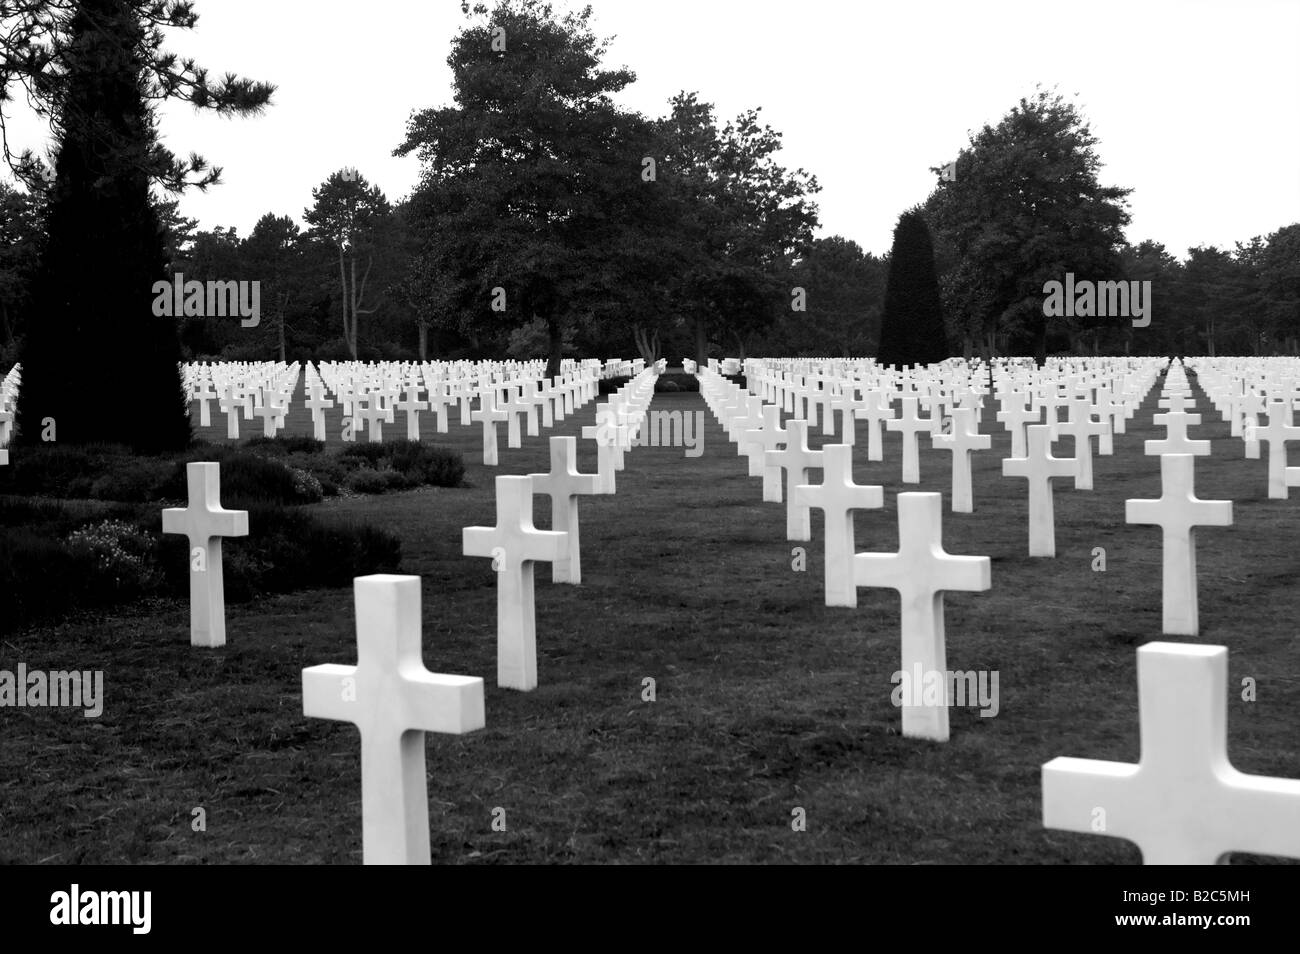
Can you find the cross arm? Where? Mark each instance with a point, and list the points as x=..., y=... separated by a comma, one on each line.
x=323, y=693
x=439, y=703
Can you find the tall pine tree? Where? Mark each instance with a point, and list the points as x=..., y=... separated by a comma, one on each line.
x=97, y=364
x=912, y=330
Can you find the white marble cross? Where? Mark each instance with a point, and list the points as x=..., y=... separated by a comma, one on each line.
x=1039, y=467
x=1082, y=427
x=796, y=460
x=438, y=401
x=910, y=424
x=876, y=412
x=491, y=416
x=412, y=406
x=205, y=522
x=529, y=399
x=203, y=395
x=1176, y=440
x=514, y=544
x=230, y=406
x=1178, y=512
x=605, y=433
x=770, y=437
x=1252, y=405
x=270, y=415
x=563, y=485
x=921, y=571
x=837, y=496
x=513, y=406
x=375, y=415
x=393, y=700
x=1014, y=417
x=1183, y=803
x=318, y=404
x=1112, y=416
x=965, y=437
x=1276, y=433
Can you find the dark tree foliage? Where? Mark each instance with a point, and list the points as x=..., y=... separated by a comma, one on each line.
x=92, y=338
x=912, y=330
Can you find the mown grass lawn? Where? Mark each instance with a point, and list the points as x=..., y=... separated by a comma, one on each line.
x=766, y=700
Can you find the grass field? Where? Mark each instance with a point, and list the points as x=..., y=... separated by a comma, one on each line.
x=766, y=699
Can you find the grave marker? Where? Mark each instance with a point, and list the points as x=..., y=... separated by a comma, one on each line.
x=393, y=700
x=205, y=522
x=921, y=571
x=1039, y=467
x=837, y=496
x=1178, y=512
x=1183, y=803
x=563, y=485
x=514, y=544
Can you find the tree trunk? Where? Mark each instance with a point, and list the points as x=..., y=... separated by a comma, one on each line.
x=701, y=343
x=352, y=337
x=740, y=343
x=647, y=345
x=424, y=340
x=556, y=334
x=284, y=308
x=343, y=291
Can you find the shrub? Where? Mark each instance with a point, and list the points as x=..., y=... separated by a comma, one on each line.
x=58, y=557
x=288, y=550
x=122, y=553
x=419, y=463
x=285, y=445
x=247, y=480
x=328, y=469
x=306, y=485
x=44, y=575
x=367, y=480
x=428, y=464
x=132, y=479
x=53, y=470
x=372, y=454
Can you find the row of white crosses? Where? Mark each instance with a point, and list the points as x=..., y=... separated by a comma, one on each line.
x=920, y=570
x=1243, y=388
x=261, y=390
x=869, y=399
x=205, y=522
x=370, y=395
x=8, y=398
x=1178, y=511
x=1183, y=803
x=514, y=544
x=555, y=399
x=388, y=694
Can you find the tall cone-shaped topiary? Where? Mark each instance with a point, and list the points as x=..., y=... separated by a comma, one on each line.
x=912, y=330
x=97, y=364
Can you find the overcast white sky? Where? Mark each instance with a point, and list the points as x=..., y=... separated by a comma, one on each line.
x=1196, y=102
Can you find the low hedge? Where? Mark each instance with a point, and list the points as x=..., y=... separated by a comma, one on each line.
x=284, y=471
x=59, y=558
